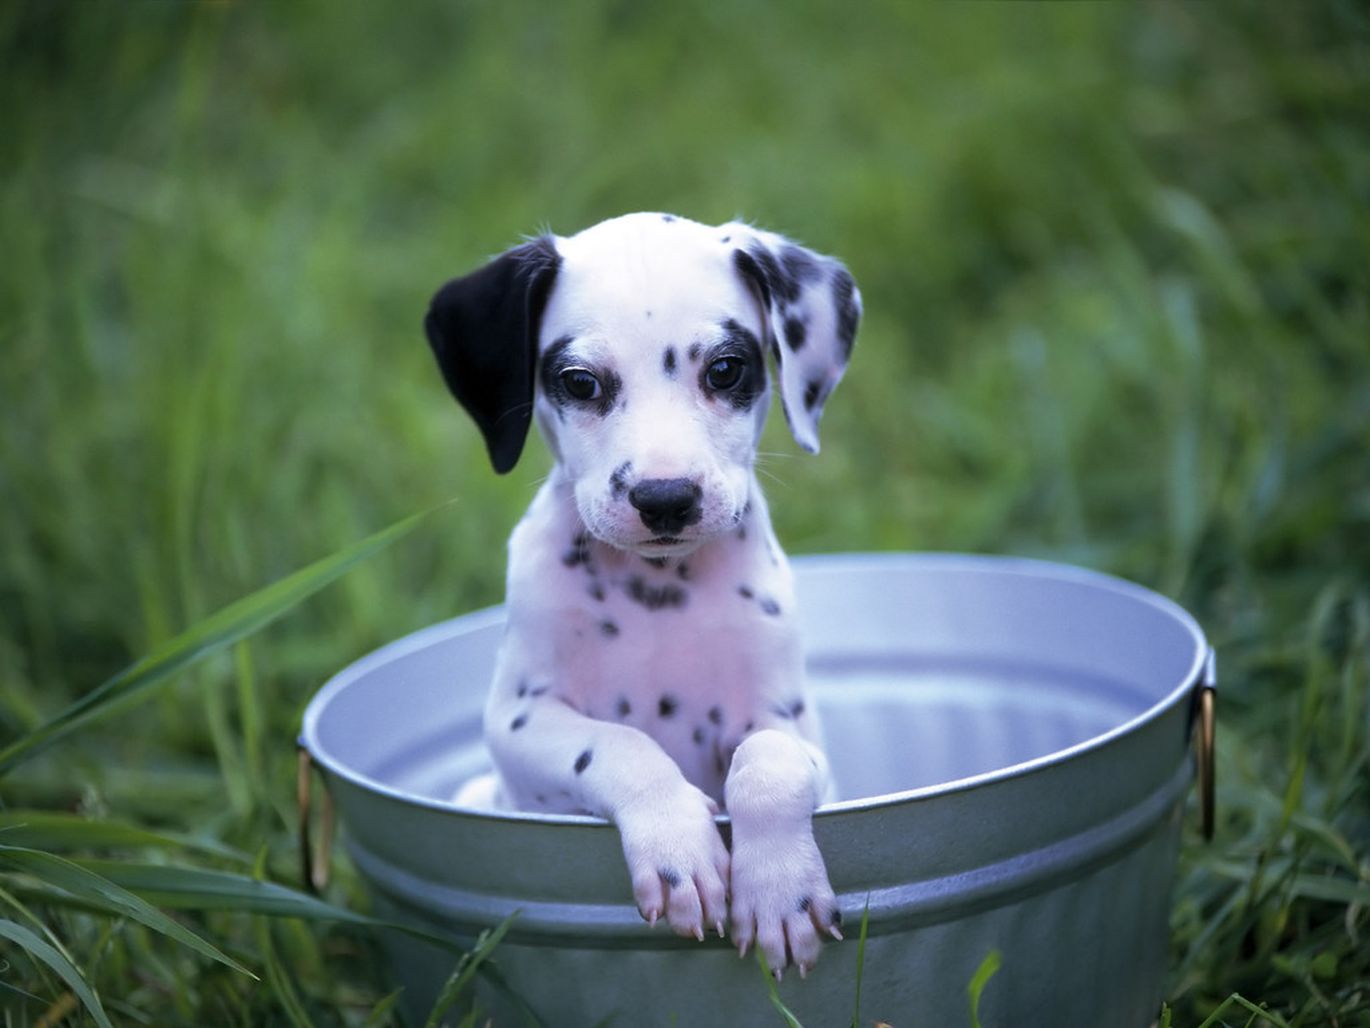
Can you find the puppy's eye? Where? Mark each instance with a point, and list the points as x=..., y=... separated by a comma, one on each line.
x=725, y=373
x=580, y=384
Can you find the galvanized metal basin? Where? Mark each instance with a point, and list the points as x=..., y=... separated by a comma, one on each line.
x=1011, y=742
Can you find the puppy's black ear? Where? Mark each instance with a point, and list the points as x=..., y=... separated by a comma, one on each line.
x=812, y=311
x=483, y=328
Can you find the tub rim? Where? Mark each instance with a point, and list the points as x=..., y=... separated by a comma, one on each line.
x=1199, y=674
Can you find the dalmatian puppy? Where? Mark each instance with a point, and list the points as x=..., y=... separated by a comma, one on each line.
x=651, y=672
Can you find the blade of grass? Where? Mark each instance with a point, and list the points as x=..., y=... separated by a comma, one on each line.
x=491, y=973
x=41, y=950
x=466, y=969
x=861, y=961
x=278, y=978
x=186, y=888
x=774, y=993
x=93, y=888
x=380, y=1013
x=1236, y=998
x=250, y=718
x=987, y=969
x=224, y=628
x=1304, y=886
x=45, y=830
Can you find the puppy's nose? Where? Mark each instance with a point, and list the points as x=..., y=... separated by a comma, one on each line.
x=666, y=504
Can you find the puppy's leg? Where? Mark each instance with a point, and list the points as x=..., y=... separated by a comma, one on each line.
x=676, y=858
x=781, y=898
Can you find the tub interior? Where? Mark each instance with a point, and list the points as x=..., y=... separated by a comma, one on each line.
x=947, y=668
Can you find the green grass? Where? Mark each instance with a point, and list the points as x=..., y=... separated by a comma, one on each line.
x=1115, y=266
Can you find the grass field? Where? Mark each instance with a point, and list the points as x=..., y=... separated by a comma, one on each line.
x=1116, y=265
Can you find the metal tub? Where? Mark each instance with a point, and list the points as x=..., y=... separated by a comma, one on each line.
x=1012, y=747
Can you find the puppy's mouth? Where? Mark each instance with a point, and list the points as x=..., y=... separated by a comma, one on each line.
x=661, y=546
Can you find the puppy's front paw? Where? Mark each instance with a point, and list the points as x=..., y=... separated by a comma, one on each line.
x=677, y=860
x=781, y=899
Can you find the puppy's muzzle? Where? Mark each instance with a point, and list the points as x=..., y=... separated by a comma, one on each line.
x=666, y=505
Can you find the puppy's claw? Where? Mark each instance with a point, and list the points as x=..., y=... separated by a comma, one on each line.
x=699, y=932
x=803, y=970
x=778, y=973
x=835, y=932
x=718, y=927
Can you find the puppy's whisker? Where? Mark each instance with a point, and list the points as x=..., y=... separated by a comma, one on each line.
x=772, y=476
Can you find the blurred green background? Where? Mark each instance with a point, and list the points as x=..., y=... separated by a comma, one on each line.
x=1114, y=260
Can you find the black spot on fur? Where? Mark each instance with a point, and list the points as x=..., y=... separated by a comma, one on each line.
x=579, y=552
x=541, y=798
x=716, y=715
x=668, y=218
x=836, y=916
x=522, y=690
x=597, y=591
x=797, y=708
x=759, y=265
x=698, y=736
x=794, y=333
x=682, y=571
x=518, y=722
x=805, y=904
x=800, y=264
x=670, y=877
x=770, y=607
x=745, y=591
x=782, y=711
x=726, y=239
x=618, y=481
x=812, y=393
x=657, y=562
x=666, y=706
x=608, y=628
x=748, y=727
x=623, y=708
x=655, y=597
x=668, y=362
x=848, y=314
x=695, y=350
x=742, y=533
x=583, y=761
x=538, y=690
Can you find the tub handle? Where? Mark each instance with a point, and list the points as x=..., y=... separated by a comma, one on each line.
x=1207, y=714
x=314, y=864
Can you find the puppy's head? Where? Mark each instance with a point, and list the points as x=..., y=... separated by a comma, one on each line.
x=639, y=346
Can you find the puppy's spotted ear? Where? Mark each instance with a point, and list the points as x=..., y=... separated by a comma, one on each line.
x=483, y=328
x=812, y=311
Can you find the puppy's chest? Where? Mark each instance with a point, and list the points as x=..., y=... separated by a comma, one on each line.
x=712, y=629
x=661, y=620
